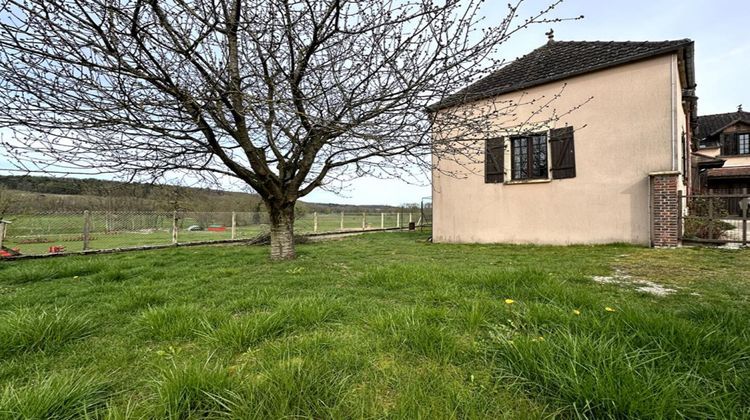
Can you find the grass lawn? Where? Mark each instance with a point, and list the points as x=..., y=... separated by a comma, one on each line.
x=380, y=325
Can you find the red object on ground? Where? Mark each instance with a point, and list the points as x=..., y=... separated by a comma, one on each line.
x=217, y=229
x=56, y=249
x=7, y=252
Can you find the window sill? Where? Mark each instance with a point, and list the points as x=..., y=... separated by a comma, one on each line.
x=528, y=181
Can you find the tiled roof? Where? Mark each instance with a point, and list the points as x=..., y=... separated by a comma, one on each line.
x=559, y=60
x=730, y=172
x=709, y=124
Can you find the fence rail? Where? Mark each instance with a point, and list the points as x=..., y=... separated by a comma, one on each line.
x=715, y=218
x=54, y=232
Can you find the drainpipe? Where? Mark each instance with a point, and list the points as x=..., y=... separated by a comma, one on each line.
x=673, y=111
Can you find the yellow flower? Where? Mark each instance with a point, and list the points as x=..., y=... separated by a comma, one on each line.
x=608, y=309
x=509, y=301
x=576, y=312
x=541, y=338
x=75, y=277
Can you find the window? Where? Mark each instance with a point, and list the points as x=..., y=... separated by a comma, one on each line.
x=743, y=143
x=735, y=144
x=529, y=157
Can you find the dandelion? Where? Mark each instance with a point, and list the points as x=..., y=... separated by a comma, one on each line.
x=509, y=301
x=608, y=309
x=576, y=312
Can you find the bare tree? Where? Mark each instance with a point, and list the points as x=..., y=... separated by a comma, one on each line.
x=285, y=95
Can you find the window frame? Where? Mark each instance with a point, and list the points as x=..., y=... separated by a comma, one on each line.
x=738, y=136
x=529, y=163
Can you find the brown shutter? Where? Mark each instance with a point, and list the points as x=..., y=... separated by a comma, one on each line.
x=563, y=153
x=494, y=160
x=729, y=144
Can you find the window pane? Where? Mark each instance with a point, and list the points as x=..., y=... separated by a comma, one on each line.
x=539, y=167
x=744, y=144
x=520, y=158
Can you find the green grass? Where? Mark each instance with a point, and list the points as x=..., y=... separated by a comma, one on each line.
x=61, y=395
x=33, y=328
x=381, y=325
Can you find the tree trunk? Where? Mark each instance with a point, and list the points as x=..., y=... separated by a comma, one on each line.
x=282, y=232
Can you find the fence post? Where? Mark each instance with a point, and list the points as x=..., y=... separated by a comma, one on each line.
x=710, y=218
x=174, y=228
x=364, y=220
x=234, y=225
x=2, y=233
x=744, y=227
x=398, y=220
x=315, y=221
x=680, y=220
x=342, y=221
x=744, y=224
x=382, y=220
x=86, y=229
x=410, y=220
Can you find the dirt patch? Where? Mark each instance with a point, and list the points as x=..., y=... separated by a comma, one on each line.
x=619, y=278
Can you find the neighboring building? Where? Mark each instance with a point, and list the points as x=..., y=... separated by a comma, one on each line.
x=609, y=171
x=722, y=162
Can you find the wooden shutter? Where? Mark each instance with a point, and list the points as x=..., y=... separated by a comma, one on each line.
x=729, y=144
x=562, y=143
x=494, y=160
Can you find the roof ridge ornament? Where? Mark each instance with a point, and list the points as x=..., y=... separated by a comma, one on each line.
x=550, y=36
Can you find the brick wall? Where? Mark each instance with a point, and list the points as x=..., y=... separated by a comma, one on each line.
x=664, y=209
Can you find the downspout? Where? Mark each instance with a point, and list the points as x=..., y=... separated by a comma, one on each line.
x=673, y=110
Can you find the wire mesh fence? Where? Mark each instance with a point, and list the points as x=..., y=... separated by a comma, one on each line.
x=55, y=232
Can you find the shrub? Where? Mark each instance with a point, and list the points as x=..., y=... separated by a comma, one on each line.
x=704, y=220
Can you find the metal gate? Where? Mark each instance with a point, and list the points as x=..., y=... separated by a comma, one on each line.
x=425, y=212
x=715, y=218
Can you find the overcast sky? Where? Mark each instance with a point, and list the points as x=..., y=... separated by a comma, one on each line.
x=722, y=55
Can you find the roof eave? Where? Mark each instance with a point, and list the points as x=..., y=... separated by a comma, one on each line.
x=690, y=74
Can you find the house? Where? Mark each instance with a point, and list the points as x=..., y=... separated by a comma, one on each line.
x=605, y=162
x=722, y=162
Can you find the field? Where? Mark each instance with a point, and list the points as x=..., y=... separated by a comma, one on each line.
x=379, y=325
x=35, y=234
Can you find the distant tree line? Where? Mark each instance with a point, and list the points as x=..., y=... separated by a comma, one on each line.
x=31, y=194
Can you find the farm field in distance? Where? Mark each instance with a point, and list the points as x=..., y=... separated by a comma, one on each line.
x=378, y=325
x=35, y=234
